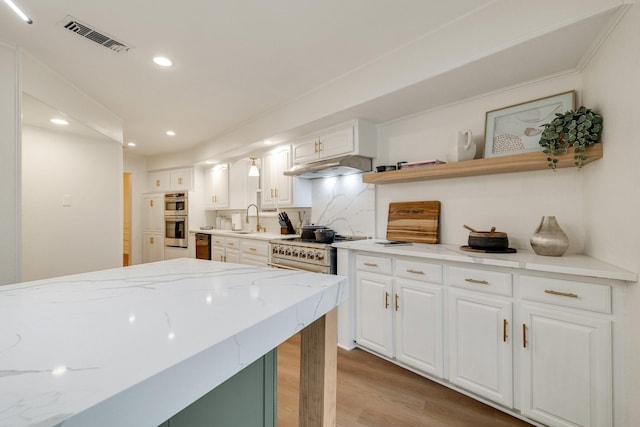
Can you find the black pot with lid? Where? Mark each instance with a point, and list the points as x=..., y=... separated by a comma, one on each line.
x=308, y=231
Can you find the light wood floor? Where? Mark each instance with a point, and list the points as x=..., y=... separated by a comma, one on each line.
x=375, y=393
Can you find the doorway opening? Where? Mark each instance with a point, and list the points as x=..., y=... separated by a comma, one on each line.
x=126, y=223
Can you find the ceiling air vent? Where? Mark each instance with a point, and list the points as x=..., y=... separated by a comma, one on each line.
x=84, y=30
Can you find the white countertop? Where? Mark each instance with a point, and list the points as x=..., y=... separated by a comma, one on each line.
x=244, y=234
x=580, y=265
x=133, y=346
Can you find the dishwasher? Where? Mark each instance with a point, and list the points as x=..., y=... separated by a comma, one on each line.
x=203, y=246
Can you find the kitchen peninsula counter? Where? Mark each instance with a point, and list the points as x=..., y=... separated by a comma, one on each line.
x=524, y=259
x=133, y=346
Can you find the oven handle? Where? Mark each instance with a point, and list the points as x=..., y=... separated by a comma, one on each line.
x=283, y=267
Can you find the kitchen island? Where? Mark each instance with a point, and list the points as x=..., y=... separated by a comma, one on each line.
x=134, y=346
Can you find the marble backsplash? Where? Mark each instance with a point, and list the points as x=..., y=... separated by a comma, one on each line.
x=345, y=204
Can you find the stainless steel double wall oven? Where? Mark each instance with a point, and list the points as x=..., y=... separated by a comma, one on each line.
x=175, y=219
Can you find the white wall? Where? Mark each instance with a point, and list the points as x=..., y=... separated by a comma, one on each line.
x=87, y=235
x=514, y=203
x=9, y=166
x=612, y=200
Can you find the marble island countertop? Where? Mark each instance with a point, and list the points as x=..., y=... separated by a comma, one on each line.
x=132, y=346
x=573, y=264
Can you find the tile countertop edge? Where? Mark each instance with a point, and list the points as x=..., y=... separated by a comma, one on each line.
x=131, y=394
x=524, y=259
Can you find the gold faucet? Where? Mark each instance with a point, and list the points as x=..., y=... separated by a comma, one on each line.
x=259, y=227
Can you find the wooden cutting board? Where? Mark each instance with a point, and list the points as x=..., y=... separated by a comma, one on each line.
x=414, y=221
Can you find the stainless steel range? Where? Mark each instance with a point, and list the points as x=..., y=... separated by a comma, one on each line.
x=306, y=255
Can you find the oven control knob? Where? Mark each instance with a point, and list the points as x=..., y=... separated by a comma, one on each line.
x=319, y=255
x=296, y=253
x=274, y=250
x=303, y=254
x=281, y=250
x=287, y=252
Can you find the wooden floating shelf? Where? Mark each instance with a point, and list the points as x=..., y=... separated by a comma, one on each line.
x=493, y=165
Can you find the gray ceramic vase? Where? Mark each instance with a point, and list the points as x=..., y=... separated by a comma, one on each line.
x=549, y=239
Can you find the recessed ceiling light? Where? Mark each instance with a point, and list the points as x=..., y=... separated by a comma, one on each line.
x=131, y=144
x=62, y=122
x=171, y=133
x=162, y=61
x=19, y=12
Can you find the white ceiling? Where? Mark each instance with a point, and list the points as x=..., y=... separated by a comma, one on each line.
x=233, y=59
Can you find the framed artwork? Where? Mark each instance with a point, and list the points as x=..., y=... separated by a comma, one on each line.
x=516, y=129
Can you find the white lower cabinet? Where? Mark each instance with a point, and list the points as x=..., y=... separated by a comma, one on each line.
x=480, y=345
x=565, y=355
x=418, y=327
x=254, y=252
x=398, y=317
x=374, y=326
x=496, y=329
x=152, y=247
x=225, y=249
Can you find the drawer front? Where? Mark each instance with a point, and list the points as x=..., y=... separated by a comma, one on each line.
x=253, y=247
x=585, y=296
x=416, y=270
x=217, y=241
x=232, y=243
x=373, y=263
x=493, y=282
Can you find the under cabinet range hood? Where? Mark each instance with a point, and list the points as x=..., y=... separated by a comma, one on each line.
x=345, y=165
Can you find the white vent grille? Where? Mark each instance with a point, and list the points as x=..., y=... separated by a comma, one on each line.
x=94, y=35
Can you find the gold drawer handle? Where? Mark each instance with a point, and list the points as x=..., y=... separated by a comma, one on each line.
x=504, y=330
x=481, y=282
x=397, y=302
x=415, y=271
x=562, y=294
x=524, y=336
x=386, y=300
x=370, y=264
x=252, y=249
x=230, y=244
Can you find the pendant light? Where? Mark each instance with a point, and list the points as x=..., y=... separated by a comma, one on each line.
x=253, y=170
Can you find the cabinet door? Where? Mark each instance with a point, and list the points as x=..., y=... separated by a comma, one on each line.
x=276, y=187
x=336, y=143
x=217, y=253
x=418, y=325
x=480, y=345
x=181, y=179
x=374, y=316
x=306, y=151
x=232, y=255
x=152, y=247
x=217, y=187
x=566, y=370
x=284, y=191
x=153, y=213
x=158, y=181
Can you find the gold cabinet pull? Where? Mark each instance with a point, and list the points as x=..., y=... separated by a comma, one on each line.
x=480, y=282
x=370, y=264
x=157, y=183
x=276, y=192
x=252, y=249
x=504, y=330
x=151, y=240
x=562, y=294
x=272, y=192
x=180, y=181
x=151, y=203
x=230, y=243
x=415, y=271
x=397, y=303
x=316, y=148
x=524, y=336
x=386, y=300
x=319, y=146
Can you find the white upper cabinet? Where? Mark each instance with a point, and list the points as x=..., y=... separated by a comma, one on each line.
x=171, y=180
x=356, y=137
x=216, y=187
x=279, y=190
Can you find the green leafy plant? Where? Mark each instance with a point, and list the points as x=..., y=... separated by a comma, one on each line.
x=578, y=129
